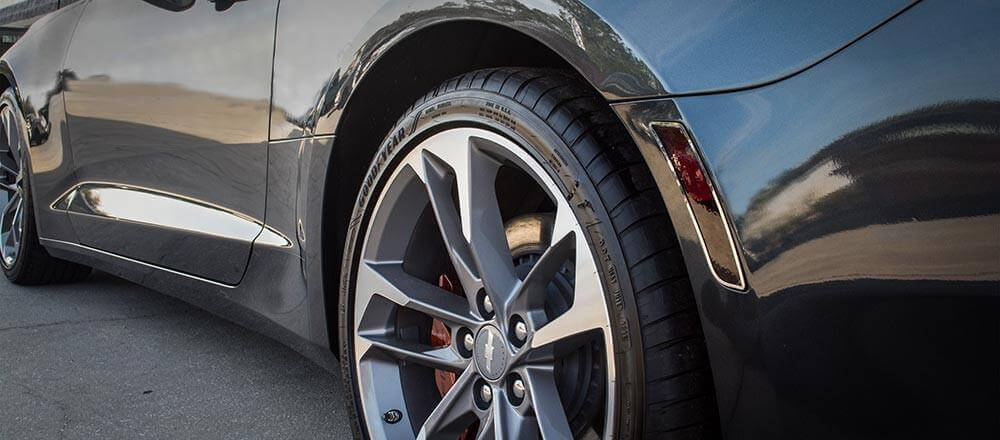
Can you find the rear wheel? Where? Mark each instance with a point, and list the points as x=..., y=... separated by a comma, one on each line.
x=23, y=258
x=503, y=242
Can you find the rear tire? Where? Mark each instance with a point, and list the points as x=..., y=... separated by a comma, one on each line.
x=31, y=263
x=665, y=382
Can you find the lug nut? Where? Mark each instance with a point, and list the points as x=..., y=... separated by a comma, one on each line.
x=487, y=304
x=520, y=331
x=482, y=394
x=469, y=342
x=486, y=393
x=465, y=342
x=518, y=388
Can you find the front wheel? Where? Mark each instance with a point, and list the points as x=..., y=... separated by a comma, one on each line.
x=501, y=245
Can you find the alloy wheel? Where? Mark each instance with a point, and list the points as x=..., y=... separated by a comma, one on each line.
x=519, y=361
x=12, y=182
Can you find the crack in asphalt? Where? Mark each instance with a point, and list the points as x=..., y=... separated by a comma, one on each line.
x=88, y=321
x=67, y=418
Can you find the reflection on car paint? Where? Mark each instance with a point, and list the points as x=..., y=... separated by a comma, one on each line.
x=164, y=210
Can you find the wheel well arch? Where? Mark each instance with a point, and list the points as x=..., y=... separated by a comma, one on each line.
x=7, y=77
x=431, y=55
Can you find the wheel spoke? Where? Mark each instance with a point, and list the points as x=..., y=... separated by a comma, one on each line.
x=390, y=281
x=12, y=204
x=448, y=419
x=547, y=404
x=5, y=116
x=566, y=240
x=442, y=358
x=531, y=294
x=7, y=164
x=585, y=314
x=438, y=182
x=475, y=233
x=12, y=130
x=9, y=226
x=18, y=225
x=509, y=423
x=9, y=242
x=487, y=431
x=484, y=225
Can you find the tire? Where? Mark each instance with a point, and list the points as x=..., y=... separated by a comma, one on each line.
x=664, y=382
x=32, y=265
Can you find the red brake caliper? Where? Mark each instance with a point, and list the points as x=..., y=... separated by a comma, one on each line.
x=441, y=337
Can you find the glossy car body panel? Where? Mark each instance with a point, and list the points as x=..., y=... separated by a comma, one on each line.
x=731, y=44
x=864, y=195
x=315, y=72
x=646, y=49
x=130, y=213
x=915, y=156
x=38, y=80
x=282, y=292
x=189, y=120
x=861, y=190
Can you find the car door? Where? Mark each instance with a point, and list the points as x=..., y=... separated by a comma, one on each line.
x=168, y=105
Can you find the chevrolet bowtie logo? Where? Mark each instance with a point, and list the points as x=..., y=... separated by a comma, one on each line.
x=489, y=353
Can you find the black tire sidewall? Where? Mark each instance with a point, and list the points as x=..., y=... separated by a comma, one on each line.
x=14, y=271
x=509, y=118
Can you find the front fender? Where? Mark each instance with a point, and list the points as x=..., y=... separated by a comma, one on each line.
x=710, y=46
x=324, y=50
x=34, y=68
x=650, y=48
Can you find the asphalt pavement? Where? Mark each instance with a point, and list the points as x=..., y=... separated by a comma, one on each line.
x=105, y=358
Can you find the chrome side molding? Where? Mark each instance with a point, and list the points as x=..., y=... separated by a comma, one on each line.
x=156, y=208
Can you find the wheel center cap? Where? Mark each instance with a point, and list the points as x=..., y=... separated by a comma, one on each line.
x=490, y=353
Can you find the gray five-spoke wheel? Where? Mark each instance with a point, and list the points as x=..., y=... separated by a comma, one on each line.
x=12, y=182
x=507, y=347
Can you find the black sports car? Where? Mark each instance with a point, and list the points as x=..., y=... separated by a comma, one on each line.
x=543, y=218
